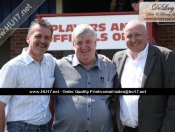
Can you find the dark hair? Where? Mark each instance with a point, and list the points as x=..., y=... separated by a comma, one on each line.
x=41, y=22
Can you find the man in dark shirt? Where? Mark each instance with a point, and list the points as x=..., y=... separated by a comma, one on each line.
x=121, y=5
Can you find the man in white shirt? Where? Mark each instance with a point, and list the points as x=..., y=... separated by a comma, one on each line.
x=31, y=69
x=143, y=65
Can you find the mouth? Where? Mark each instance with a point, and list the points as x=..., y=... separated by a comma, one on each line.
x=85, y=51
x=135, y=44
x=42, y=45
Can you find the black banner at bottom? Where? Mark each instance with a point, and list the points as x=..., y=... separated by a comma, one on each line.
x=86, y=91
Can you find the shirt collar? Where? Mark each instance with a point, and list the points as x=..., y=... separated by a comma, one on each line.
x=142, y=54
x=76, y=62
x=28, y=59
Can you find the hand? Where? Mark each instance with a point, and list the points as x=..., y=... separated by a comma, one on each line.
x=105, y=58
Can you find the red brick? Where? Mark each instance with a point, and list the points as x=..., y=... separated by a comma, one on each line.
x=167, y=33
x=22, y=40
x=164, y=45
x=171, y=37
x=20, y=43
x=163, y=37
x=168, y=41
x=20, y=36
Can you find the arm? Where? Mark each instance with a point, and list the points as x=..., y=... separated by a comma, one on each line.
x=112, y=6
x=169, y=119
x=169, y=70
x=103, y=57
x=2, y=116
x=135, y=6
x=8, y=77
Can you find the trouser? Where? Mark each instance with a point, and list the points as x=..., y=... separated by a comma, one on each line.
x=19, y=126
x=129, y=129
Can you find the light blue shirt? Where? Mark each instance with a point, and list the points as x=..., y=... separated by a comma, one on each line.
x=83, y=113
x=24, y=72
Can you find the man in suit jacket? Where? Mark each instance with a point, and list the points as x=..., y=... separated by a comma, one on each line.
x=143, y=65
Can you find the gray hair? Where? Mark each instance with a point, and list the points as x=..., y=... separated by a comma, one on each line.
x=81, y=30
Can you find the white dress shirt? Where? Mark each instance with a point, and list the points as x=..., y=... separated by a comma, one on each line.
x=24, y=72
x=132, y=78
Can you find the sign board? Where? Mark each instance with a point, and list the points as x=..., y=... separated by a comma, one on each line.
x=109, y=29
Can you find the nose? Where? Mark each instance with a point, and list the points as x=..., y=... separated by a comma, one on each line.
x=84, y=45
x=42, y=40
x=133, y=39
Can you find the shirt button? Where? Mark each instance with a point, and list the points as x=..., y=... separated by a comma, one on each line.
x=86, y=131
x=88, y=82
x=87, y=118
x=89, y=105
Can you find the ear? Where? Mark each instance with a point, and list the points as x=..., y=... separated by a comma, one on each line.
x=73, y=44
x=124, y=36
x=27, y=39
x=51, y=39
x=146, y=34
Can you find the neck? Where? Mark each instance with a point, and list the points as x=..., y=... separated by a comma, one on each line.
x=37, y=58
x=134, y=55
x=90, y=64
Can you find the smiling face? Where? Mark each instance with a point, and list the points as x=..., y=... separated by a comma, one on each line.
x=39, y=40
x=84, y=43
x=85, y=48
x=135, y=36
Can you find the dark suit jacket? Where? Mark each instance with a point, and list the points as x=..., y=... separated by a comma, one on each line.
x=156, y=112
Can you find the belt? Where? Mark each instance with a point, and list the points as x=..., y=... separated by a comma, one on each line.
x=130, y=129
x=27, y=125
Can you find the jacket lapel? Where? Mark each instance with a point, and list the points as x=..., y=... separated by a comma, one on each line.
x=149, y=64
x=121, y=63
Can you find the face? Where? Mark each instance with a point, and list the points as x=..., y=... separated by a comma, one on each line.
x=39, y=41
x=85, y=48
x=136, y=37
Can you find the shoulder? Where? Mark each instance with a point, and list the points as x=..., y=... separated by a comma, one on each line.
x=161, y=53
x=49, y=56
x=11, y=68
x=119, y=53
x=65, y=60
x=162, y=50
x=14, y=62
x=107, y=65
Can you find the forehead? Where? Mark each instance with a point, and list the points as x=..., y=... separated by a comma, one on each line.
x=87, y=36
x=37, y=29
x=135, y=29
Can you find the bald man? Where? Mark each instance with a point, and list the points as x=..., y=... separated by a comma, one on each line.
x=143, y=65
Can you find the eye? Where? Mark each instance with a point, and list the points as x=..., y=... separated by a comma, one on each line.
x=79, y=43
x=37, y=36
x=88, y=42
x=48, y=37
x=129, y=36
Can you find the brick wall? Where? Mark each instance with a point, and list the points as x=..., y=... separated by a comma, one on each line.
x=167, y=36
x=18, y=42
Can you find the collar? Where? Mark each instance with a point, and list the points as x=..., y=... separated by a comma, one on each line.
x=28, y=59
x=76, y=62
x=142, y=54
